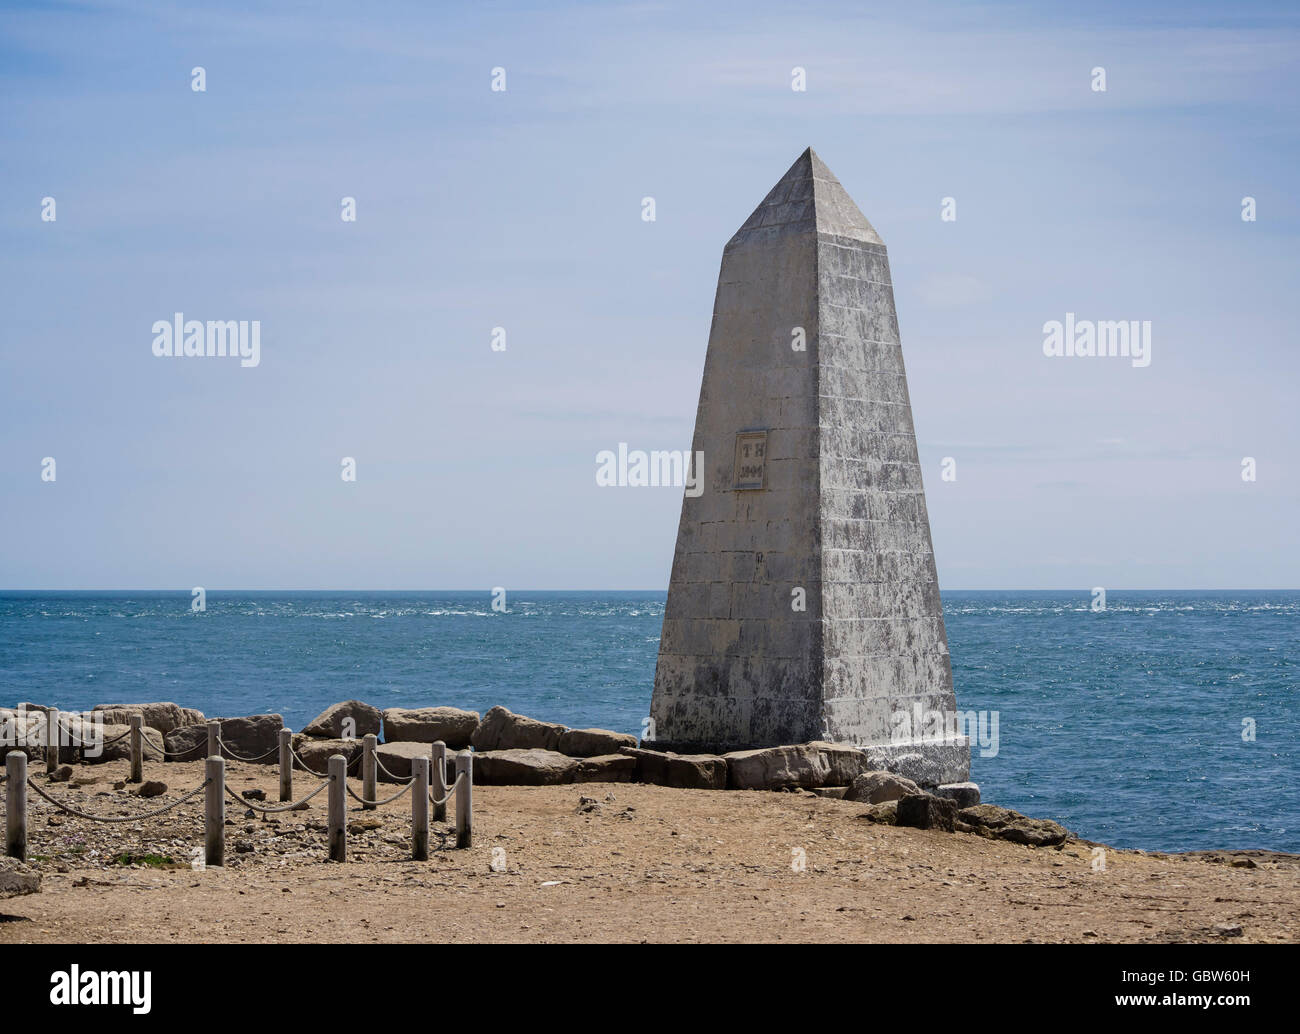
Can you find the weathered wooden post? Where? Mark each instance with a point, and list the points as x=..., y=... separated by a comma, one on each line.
x=214, y=812
x=368, y=773
x=338, y=830
x=439, y=780
x=214, y=736
x=286, y=765
x=52, y=739
x=464, y=799
x=420, y=810
x=16, y=806
x=137, y=749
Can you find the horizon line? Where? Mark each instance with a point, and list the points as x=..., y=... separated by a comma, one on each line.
x=489, y=592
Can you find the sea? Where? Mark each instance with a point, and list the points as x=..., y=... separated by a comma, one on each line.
x=1167, y=721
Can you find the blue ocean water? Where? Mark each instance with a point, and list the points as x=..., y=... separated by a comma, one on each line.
x=1125, y=725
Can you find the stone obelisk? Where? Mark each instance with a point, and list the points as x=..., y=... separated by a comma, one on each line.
x=804, y=600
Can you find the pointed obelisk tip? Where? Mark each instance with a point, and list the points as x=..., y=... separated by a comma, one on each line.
x=807, y=198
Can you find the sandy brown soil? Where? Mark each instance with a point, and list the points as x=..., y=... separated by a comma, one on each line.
x=648, y=864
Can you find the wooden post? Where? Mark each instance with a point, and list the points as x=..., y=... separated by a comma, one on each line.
x=439, y=780
x=214, y=812
x=338, y=806
x=368, y=772
x=137, y=749
x=286, y=765
x=16, y=806
x=464, y=799
x=52, y=740
x=214, y=732
x=420, y=810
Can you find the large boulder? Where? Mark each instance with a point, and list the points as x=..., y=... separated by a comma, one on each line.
x=533, y=767
x=396, y=758
x=967, y=795
x=348, y=720
x=684, y=771
x=1004, y=824
x=17, y=879
x=316, y=753
x=502, y=729
x=926, y=811
x=163, y=716
x=452, y=725
x=255, y=736
x=606, y=768
x=879, y=788
x=120, y=748
x=187, y=744
x=802, y=766
x=590, y=743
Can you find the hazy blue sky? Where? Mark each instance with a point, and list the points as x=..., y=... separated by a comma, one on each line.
x=522, y=209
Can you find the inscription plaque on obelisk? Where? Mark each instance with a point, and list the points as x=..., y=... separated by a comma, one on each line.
x=804, y=600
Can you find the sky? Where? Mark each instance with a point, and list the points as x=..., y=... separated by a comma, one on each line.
x=522, y=208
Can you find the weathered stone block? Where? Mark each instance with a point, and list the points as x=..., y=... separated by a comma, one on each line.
x=880, y=787
x=534, y=767
x=925, y=811
x=501, y=729
x=163, y=716
x=590, y=743
x=967, y=795
x=452, y=725
x=685, y=771
x=347, y=720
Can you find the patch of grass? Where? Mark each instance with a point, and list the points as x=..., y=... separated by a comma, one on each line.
x=154, y=861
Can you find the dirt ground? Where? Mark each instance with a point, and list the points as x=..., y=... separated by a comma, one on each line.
x=645, y=864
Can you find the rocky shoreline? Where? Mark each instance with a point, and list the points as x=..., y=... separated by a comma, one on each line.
x=515, y=750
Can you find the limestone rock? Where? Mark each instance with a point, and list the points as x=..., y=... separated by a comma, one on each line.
x=925, y=811
x=250, y=737
x=534, y=767
x=928, y=764
x=1004, y=824
x=189, y=743
x=163, y=716
x=590, y=743
x=120, y=750
x=330, y=723
x=502, y=729
x=17, y=879
x=880, y=787
x=967, y=795
x=605, y=768
x=886, y=814
x=452, y=725
x=685, y=771
x=396, y=757
x=802, y=766
x=316, y=753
